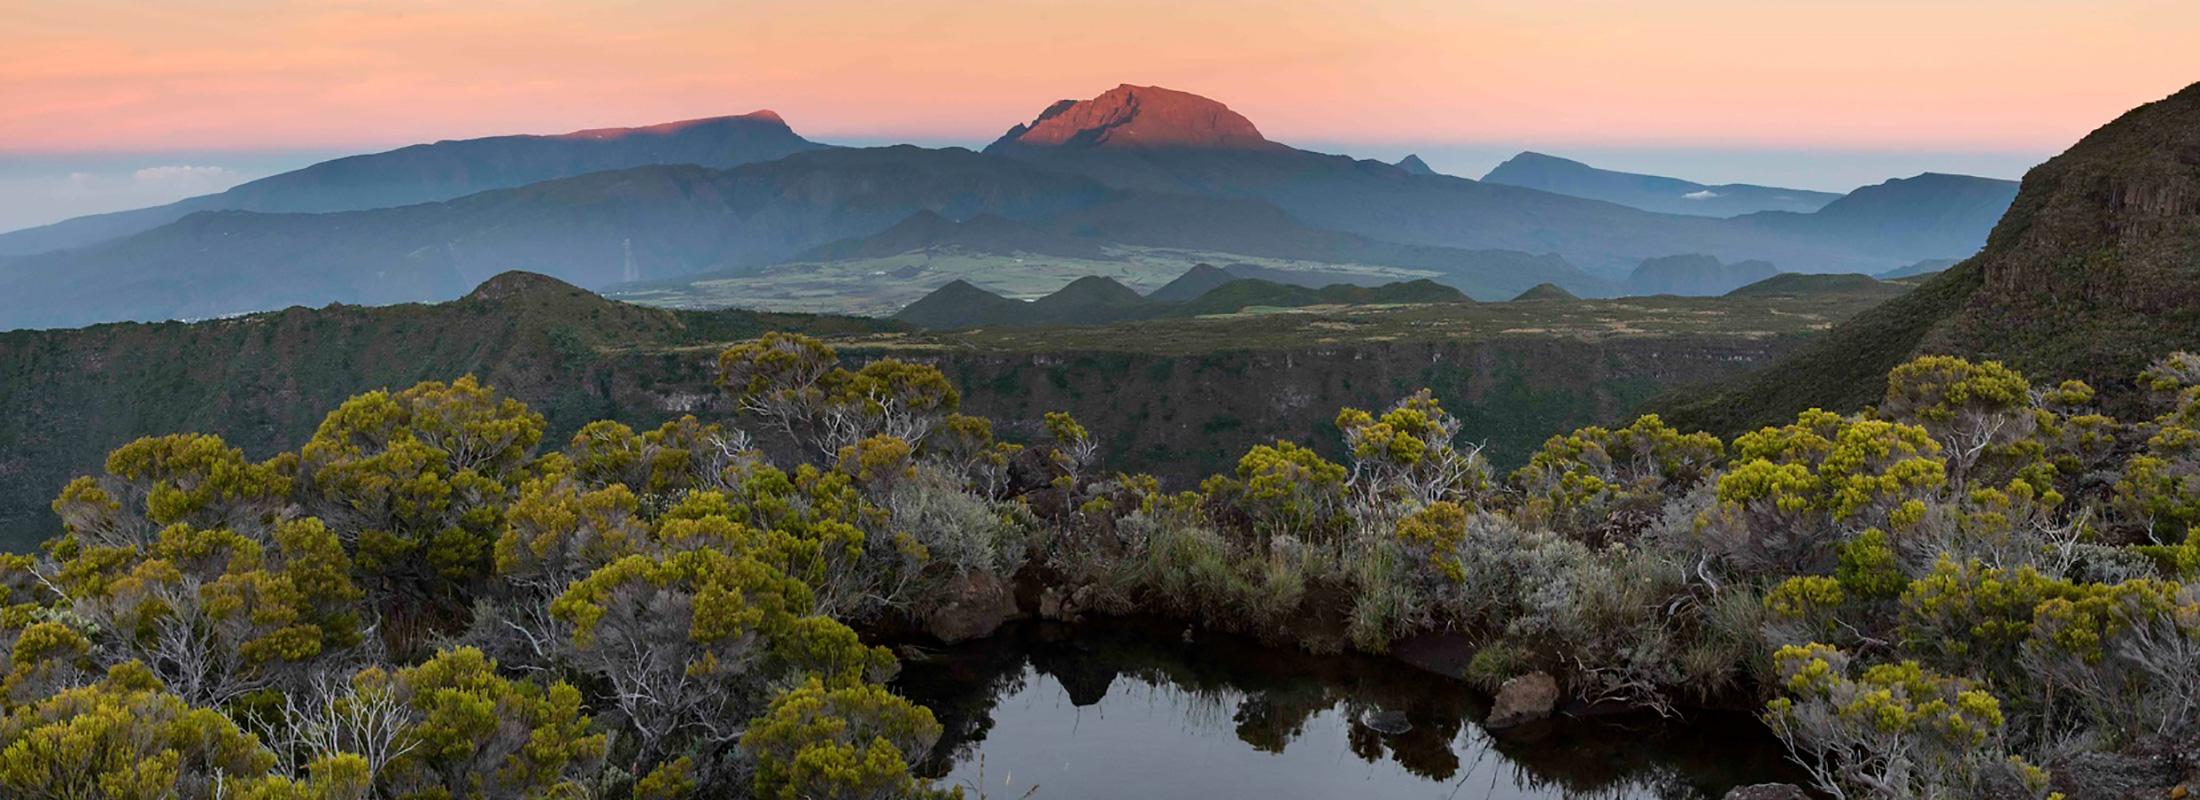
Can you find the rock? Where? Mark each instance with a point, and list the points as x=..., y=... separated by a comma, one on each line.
x=1525, y=698
x=1445, y=653
x=1768, y=791
x=1387, y=722
x=975, y=606
x=1059, y=604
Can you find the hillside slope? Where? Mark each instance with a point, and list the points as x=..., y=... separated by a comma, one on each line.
x=2094, y=272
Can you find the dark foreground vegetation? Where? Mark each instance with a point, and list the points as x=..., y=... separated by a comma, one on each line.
x=1979, y=587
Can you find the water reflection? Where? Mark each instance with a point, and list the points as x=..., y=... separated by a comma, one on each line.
x=1131, y=709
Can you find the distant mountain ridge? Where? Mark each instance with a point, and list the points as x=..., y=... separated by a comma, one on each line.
x=1138, y=167
x=591, y=230
x=445, y=170
x=1935, y=214
x=1565, y=176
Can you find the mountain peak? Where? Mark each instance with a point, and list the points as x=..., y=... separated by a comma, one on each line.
x=1098, y=287
x=1412, y=163
x=521, y=283
x=1198, y=280
x=1545, y=291
x=960, y=304
x=1150, y=117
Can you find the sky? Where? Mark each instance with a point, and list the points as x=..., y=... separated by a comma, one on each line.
x=117, y=103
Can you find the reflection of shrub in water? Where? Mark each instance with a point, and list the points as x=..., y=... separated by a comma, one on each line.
x=1270, y=720
x=1424, y=749
x=961, y=687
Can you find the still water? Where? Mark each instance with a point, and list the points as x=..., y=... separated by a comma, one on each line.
x=1140, y=710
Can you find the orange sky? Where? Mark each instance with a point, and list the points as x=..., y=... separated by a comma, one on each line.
x=116, y=75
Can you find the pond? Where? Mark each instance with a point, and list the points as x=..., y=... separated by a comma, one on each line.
x=1139, y=709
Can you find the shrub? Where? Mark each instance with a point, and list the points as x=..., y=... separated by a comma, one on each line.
x=1410, y=456
x=124, y=737
x=473, y=733
x=419, y=481
x=796, y=384
x=1796, y=492
x=690, y=641
x=1893, y=730
x=1973, y=616
x=1599, y=483
x=850, y=743
x=1982, y=416
x=1497, y=662
x=2125, y=655
x=1286, y=491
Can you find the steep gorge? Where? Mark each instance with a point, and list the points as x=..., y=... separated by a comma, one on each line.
x=263, y=382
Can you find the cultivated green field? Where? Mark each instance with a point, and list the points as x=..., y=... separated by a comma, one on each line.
x=881, y=286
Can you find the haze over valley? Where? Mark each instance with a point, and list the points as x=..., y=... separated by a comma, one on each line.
x=868, y=401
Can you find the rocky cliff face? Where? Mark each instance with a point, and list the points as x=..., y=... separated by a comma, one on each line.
x=2105, y=231
x=2093, y=273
